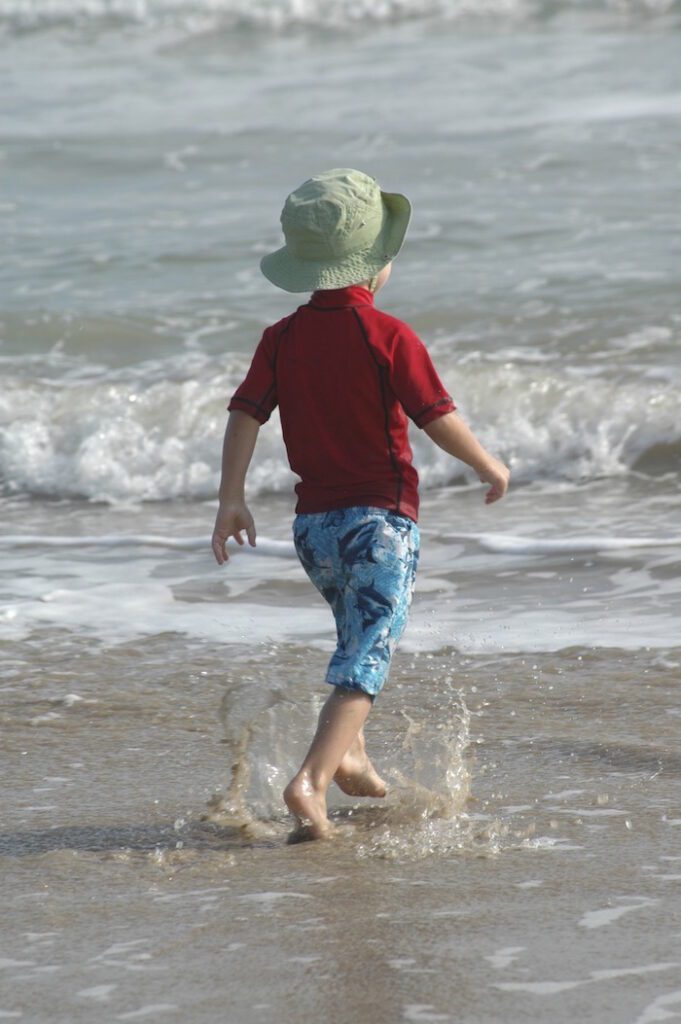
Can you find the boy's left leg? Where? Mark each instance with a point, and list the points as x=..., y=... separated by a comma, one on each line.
x=356, y=775
x=340, y=721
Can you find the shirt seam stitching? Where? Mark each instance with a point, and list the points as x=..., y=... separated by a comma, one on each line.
x=446, y=400
x=382, y=383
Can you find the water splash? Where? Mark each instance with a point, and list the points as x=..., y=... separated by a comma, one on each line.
x=266, y=732
x=425, y=759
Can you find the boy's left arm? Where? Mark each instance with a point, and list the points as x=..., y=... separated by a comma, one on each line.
x=424, y=398
x=233, y=514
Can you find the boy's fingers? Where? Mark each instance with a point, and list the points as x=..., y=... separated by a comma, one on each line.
x=223, y=533
x=496, y=491
x=219, y=550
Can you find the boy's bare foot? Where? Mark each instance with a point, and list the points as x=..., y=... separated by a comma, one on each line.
x=308, y=805
x=356, y=775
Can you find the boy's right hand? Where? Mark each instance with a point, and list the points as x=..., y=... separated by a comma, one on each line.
x=233, y=517
x=498, y=475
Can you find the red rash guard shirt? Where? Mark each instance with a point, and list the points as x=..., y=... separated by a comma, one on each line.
x=345, y=376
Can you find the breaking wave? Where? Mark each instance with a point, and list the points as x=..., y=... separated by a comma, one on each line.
x=274, y=16
x=130, y=440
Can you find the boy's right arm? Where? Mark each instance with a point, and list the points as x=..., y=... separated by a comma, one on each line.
x=233, y=514
x=455, y=437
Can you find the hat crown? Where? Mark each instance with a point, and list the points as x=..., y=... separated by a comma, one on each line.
x=333, y=215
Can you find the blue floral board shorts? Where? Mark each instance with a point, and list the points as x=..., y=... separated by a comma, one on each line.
x=363, y=561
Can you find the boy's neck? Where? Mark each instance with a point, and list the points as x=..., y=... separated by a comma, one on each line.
x=334, y=298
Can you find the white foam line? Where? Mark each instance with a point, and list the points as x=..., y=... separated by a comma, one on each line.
x=498, y=543
x=280, y=548
x=508, y=544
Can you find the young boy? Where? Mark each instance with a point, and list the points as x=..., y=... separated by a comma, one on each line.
x=346, y=377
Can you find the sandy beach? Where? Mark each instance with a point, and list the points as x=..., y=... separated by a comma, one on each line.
x=524, y=866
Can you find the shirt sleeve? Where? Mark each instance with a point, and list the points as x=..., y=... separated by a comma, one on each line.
x=257, y=395
x=415, y=380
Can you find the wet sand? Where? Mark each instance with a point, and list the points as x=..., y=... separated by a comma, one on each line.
x=524, y=867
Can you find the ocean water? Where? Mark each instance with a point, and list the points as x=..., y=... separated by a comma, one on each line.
x=152, y=705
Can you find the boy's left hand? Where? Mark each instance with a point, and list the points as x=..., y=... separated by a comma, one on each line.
x=232, y=518
x=496, y=474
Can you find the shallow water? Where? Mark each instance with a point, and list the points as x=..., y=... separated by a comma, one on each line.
x=525, y=865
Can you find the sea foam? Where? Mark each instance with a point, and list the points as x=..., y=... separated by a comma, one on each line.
x=497, y=543
x=279, y=15
x=131, y=439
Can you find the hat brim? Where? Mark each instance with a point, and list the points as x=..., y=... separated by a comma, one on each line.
x=295, y=275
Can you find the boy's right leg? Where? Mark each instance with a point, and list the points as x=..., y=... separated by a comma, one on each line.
x=340, y=721
x=343, y=554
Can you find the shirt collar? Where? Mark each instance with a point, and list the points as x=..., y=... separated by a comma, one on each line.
x=338, y=298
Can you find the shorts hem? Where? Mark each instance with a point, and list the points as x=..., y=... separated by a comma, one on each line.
x=353, y=686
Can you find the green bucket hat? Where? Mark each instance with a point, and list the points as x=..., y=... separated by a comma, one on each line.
x=340, y=229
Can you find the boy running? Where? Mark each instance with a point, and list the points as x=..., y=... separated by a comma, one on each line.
x=346, y=377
